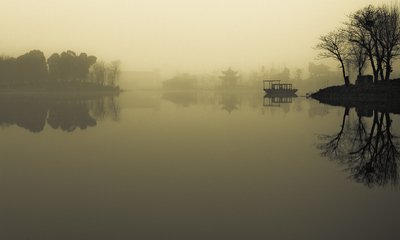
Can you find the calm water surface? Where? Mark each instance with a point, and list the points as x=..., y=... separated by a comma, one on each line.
x=195, y=165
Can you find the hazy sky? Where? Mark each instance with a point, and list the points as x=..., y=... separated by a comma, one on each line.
x=175, y=35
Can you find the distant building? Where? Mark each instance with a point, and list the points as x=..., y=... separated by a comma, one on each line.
x=229, y=78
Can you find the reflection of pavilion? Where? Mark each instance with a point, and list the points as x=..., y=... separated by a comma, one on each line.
x=229, y=102
x=276, y=101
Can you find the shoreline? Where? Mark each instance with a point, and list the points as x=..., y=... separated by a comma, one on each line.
x=58, y=88
x=382, y=96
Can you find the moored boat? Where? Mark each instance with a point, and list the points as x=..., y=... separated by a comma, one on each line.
x=274, y=87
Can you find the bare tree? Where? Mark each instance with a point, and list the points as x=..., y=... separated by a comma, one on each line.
x=358, y=57
x=390, y=35
x=114, y=70
x=98, y=73
x=358, y=34
x=377, y=30
x=333, y=144
x=334, y=45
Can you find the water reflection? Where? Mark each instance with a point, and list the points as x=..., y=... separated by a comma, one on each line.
x=181, y=98
x=276, y=101
x=366, y=147
x=228, y=101
x=66, y=112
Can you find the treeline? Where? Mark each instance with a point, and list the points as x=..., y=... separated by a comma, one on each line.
x=370, y=38
x=33, y=68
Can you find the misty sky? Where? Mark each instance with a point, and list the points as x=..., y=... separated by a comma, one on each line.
x=175, y=35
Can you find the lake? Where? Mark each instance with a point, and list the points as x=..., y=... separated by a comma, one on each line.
x=196, y=165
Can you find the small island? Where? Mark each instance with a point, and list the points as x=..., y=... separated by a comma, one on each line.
x=369, y=40
x=60, y=73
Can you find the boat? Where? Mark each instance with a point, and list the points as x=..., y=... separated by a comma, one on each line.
x=276, y=88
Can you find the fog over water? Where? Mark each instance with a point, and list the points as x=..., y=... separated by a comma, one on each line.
x=176, y=35
x=134, y=119
x=193, y=165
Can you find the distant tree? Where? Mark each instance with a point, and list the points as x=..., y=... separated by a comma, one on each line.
x=334, y=45
x=8, y=70
x=70, y=67
x=114, y=70
x=67, y=66
x=54, y=66
x=99, y=73
x=83, y=63
x=32, y=67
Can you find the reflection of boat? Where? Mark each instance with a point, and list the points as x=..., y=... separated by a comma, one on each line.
x=274, y=87
x=276, y=100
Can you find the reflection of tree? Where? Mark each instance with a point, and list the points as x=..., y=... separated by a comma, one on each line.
x=369, y=154
x=70, y=116
x=65, y=114
x=374, y=161
x=334, y=146
x=104, y=107
x=23, y=114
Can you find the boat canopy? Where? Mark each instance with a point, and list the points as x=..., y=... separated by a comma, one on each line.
x=276, y=85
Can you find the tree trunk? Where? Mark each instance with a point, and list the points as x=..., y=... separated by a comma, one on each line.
x=346, y=79
x=374, y=71
x=379, y=59
x=388, y=72
x=381, y=73
x=388, y=67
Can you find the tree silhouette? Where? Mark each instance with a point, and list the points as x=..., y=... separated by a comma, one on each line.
x=78, y=71
x=370, y=155
x=31, y=67
x=334, y=45
x=372, y=32
x=358, y=57
x=8, y=70
x=69, y=67
x=114, y=72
